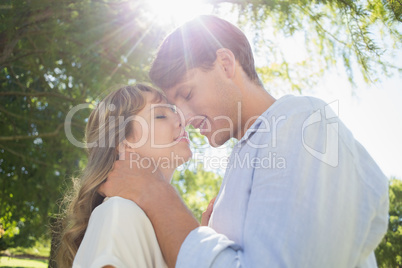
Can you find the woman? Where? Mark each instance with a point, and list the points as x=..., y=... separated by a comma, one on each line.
x=115, y=232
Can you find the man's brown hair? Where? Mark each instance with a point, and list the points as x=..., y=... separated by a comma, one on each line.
x=194, y=45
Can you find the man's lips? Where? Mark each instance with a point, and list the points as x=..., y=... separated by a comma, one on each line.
x=201, y=124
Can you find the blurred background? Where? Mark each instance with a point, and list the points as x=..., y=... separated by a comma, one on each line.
x=57, y=54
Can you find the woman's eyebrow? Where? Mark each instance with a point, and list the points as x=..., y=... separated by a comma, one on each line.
x=161, y=105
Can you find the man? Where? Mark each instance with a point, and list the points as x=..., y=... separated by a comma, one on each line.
x=299, y=190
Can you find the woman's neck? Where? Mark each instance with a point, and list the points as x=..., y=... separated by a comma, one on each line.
x=167, y=173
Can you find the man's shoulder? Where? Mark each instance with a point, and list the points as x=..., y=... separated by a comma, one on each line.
x=290, y=110
x=294, y=104
x=284, y=119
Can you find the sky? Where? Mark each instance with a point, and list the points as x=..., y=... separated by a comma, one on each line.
x=373, y=112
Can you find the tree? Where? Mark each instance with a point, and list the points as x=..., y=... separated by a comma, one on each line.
x=54, y=56
x=389, y=252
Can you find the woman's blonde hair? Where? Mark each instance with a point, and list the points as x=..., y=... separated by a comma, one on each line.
x=104, y=132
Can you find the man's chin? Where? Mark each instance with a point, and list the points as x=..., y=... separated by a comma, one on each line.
x=216, y=141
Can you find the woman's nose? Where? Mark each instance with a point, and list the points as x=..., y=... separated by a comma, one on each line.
x=179, y=120
x=182, y=113
x=176, y=120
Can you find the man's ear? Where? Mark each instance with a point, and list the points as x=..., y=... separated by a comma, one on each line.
x=227, y=60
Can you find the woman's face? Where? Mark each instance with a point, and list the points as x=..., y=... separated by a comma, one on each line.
x=158, y=137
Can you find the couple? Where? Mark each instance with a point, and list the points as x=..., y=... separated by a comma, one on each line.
x=326, y=205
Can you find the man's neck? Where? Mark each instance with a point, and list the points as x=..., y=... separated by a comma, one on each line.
x=255, y=101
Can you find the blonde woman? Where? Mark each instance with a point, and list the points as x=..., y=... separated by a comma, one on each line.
x=115, y=232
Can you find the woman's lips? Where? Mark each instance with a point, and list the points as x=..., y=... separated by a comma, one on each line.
x=183, y=137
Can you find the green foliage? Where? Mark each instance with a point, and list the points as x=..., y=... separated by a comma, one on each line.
x=389, y=252
x=197, y=188
x=360, y=35
x=395, y=7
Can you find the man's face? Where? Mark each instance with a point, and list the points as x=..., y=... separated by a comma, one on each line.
x=209, y=101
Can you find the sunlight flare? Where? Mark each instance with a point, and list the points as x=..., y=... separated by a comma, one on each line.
x=177, y=11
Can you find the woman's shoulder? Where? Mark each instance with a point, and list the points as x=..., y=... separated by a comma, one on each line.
x=112, y=228
x=118, y=201
x=118, y=207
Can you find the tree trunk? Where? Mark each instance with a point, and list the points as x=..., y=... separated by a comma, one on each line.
x=56, y=227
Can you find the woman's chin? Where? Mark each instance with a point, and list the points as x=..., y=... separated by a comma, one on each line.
x=181, y=159
x=188, y=157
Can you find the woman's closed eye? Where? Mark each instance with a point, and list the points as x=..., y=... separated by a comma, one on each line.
x=164, y=111
x=160, y=116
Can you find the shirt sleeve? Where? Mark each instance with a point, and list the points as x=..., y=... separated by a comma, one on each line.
x=310, y=214
x=120, y=234
x=203, y=247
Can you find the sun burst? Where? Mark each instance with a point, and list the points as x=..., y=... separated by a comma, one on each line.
x=177, y=12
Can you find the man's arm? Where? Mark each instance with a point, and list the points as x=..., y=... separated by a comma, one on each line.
x=171, y=219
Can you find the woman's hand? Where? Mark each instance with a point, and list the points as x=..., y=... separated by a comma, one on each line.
x=206, y=215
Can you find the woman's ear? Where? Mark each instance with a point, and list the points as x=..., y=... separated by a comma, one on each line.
x=125, y=146
x=227, y=60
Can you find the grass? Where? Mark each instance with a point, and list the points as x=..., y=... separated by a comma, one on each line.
x=34, y=257
x=10, y=262
x=40, y=250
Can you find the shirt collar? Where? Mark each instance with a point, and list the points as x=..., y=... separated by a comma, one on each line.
x=257, y=124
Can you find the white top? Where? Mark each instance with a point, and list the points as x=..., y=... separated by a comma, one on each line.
x=299, y=191
x=119, y=234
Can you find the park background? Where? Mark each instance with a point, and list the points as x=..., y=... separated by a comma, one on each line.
x=58, y=54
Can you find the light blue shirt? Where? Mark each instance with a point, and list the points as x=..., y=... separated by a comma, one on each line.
x=299, y=191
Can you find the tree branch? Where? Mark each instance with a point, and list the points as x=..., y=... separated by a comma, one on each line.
x=310, y=13
x=41, y=122
x=3, y=110
x=8, y=49
x=44, y=135
x=22, y=56
x=37, y=94
x=23, y=156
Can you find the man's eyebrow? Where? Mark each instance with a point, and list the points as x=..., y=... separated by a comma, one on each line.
x=184, y=83
x=178, y=90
